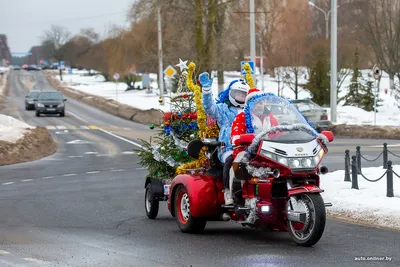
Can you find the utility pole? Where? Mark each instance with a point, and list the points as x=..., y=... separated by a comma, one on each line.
x=261, y=63
x=160, y=57
x=333, y=59
x=252, y=33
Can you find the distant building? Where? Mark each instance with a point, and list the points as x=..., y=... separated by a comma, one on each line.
x=5, y=54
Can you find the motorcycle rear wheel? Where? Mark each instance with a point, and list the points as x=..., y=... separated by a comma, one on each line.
x=310, y=233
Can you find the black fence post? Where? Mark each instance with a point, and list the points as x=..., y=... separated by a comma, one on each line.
x=354, y=174
x=347, y=166
x=358, y=154
x=385, y=156
x=389, y=176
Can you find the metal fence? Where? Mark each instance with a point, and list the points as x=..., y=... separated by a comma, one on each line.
x=353, y=168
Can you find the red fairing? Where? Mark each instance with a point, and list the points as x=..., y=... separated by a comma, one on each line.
x=304, y=188
x=202, y=194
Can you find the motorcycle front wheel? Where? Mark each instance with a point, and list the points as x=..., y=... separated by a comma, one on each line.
x=308, y=233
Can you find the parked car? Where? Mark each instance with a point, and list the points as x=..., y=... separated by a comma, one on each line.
x=50, y=102
x=314, y=113
x=30, y=99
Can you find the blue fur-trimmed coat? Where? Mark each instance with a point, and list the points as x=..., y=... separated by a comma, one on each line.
x=224, y=115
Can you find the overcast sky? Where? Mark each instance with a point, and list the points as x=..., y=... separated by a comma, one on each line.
x=23, y=21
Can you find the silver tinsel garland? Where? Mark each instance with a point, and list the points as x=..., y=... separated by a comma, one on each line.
x=284, y=128
x=178, y=142
x=251, y=203
x=260, y=172
x=158, y=157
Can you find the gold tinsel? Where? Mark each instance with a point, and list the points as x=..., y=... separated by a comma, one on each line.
x=204, y=131
x=249, y=77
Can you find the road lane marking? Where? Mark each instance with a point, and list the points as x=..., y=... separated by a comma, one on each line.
x=120, y=170
x=121, y=138
x=75, y=156
x=92, y=172
x=36, y=260
x=7, y=183
x=128, y=153
x=76, y=116
x=47, y=177
x=91, y=153
x=61, y=127
x=3, y=252
x=93, y=127
x=27, y=180
x=102, y=155
x=50, y=127
x=69, y=174
x=141, y=168
x=84, y=127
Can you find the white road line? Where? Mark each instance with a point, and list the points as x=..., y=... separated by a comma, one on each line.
x=120, y=170
x=141, y=168
x=36, y=260
x=91, y=153
x=128, y=153
x=3, y=252
x=7, y=183
x=27, y=180
x=69, y=174
x=47, y=177
x=61, y=127
x=84, y=127
x=76, y=116
x=75, y=156
x=102, y=155
x=92, y=172
x=121, y=138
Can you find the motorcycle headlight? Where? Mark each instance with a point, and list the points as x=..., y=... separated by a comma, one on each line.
x=283, y=161
x=306, y=162
x=294, y=163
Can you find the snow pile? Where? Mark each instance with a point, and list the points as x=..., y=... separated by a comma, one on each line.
x=11, y=130
x=369, y=203
x=3, y=79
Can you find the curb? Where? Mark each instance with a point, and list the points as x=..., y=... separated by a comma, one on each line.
x=152, y=116
x=365, y=131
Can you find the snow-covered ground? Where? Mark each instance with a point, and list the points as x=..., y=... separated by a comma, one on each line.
x=369, y=203
x=3, y=79
x=11, y=130
x=388, y=113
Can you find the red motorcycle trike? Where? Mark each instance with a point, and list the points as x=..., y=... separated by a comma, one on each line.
x=275, y=185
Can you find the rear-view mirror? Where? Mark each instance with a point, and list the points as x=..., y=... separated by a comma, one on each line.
x=329, y=135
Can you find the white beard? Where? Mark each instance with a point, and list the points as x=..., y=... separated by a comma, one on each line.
x=259, y=125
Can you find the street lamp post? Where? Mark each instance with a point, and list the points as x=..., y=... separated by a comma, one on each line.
x=252, y=33
x=333, y=96
x=160, y=57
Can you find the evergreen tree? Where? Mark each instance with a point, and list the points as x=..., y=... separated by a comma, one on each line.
x=353, y=96
x=318, y=83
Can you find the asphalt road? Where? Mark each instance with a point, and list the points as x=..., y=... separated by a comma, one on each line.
x=83, y=206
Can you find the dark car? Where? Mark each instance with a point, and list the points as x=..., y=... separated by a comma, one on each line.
x=50, y=102
x=29, y=99
x=315, y=114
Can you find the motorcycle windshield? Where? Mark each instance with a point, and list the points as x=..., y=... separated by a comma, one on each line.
x=276, y=119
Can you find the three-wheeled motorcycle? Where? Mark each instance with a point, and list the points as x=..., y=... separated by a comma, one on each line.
x=275, y=184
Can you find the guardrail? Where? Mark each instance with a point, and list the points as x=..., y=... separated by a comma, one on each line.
x=353, y=169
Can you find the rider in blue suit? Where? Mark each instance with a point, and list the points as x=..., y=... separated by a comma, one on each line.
x=229, y=103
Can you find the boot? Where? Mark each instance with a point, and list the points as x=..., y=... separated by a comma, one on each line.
x=228, y=197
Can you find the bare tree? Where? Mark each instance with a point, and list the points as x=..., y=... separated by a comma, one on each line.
x=380, y=22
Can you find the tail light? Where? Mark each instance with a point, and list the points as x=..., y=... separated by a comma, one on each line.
x=324, y=117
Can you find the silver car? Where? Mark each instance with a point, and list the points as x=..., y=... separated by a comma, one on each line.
x=315, y=114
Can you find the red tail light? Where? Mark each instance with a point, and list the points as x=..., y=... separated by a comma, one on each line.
x=324, y=117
